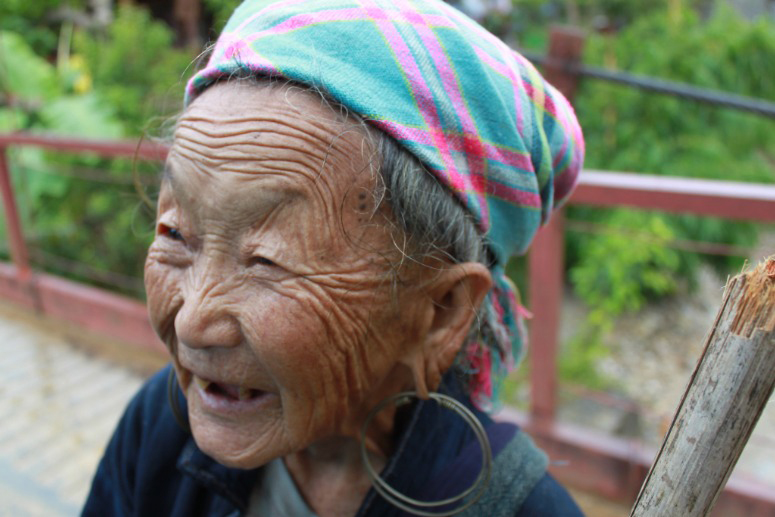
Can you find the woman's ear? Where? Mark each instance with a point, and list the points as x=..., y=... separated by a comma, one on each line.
x=454, y=297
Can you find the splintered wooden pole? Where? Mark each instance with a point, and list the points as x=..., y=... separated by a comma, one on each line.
x=729, y=388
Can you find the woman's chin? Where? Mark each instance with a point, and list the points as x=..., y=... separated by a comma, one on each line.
x=241, y=444
x=234, y=448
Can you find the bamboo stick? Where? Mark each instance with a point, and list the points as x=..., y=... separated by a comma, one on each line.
x=728, y=390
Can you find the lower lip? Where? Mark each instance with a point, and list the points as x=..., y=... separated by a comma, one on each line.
x=229, y=406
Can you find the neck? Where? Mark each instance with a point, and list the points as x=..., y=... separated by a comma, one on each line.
x=330, y=474
x=331, y=477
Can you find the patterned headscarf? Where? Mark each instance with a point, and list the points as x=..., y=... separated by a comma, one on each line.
x=477, y=114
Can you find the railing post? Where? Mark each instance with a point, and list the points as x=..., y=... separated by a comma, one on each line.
x=545, y=266
x=18, y=247
x=545, y=261
x=566, y=45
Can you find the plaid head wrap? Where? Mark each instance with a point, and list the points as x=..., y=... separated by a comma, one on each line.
x=477, y=114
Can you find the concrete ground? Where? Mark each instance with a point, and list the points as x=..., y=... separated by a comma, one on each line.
x=58, y=406
x=61, y=394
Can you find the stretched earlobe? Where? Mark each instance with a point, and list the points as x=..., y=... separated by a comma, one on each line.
x=417, y=365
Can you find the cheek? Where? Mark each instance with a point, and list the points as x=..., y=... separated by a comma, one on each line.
x=311, y=338
x=301, y=334
x=325, y=352
x=162, y=286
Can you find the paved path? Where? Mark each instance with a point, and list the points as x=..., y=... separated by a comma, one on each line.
x=58, y=407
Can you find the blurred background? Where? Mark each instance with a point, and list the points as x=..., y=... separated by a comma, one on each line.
x=677, y=102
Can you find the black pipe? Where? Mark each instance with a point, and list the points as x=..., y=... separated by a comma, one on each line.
x=687, y=91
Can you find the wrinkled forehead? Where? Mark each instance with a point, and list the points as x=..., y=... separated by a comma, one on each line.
x=243, y=146
x=228, y=196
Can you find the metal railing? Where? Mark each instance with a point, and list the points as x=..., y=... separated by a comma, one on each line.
x=652, y=84
x=95, y=309
x=731, y=200
x=126, y=319
x=610, y=466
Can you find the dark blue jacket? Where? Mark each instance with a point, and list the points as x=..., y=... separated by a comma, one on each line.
x=152, y=467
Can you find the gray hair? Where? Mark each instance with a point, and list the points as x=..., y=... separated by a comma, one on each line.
x=435, y=223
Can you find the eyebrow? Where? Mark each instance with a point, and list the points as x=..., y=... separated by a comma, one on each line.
x=277, y=196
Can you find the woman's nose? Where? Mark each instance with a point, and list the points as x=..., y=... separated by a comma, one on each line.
x=205, y=320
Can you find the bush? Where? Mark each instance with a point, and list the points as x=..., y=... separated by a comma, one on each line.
x=628, y=130
x=135, y=68
x=33, y=20
x=631, y=131
x=221, y=11
x=109, y=88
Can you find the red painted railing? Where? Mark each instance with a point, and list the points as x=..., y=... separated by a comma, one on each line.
x=612, y=467
x=606, y=465
x=731, y=200
x=94, y=309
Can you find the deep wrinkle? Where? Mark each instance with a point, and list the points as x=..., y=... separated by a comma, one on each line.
x=209, y=303
x=291, y=162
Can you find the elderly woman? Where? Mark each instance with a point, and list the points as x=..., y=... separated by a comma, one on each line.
x=343, y=190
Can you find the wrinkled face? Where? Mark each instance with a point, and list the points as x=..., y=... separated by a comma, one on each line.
x=269, y=277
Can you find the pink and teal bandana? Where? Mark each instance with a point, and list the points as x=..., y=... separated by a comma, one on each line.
x=476, y=113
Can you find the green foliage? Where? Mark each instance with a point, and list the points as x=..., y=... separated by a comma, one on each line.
x=99, y=226
x=528, y=20
x=513, y=389
x=618, y=270
x=33, y=20
x=135, y=68
x=579, y=359
x=629, y=130
x=221, y=11
x=23, y=74
x=105, y=231
x=643, y=267
x=82, y=115
x=38, y=98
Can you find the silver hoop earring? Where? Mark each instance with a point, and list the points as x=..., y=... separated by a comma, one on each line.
x=414, y=506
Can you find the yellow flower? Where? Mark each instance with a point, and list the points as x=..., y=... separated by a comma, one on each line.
x=83, y=84
x=77, y=62
x=83, y=81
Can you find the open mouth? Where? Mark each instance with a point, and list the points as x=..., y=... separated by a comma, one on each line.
x=227, y=391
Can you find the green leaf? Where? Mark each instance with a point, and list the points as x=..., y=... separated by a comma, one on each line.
x=81, y=116
x=23, y=74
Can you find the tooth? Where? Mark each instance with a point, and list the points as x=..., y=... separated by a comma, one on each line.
x=202, y=383
x=244, y=393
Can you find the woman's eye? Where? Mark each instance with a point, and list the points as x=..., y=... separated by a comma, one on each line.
x=261, y=261
x=172, y=233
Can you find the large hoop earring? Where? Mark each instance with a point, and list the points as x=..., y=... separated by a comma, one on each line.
x=414, y=506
